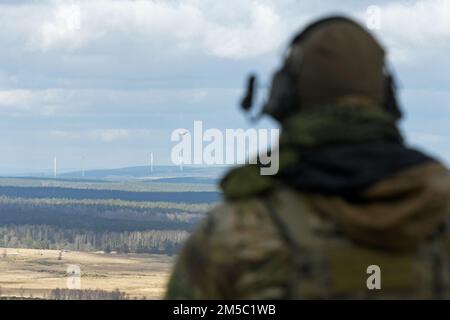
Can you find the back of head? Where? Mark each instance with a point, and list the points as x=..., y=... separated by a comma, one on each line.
x=336, y=60
x=333, y=61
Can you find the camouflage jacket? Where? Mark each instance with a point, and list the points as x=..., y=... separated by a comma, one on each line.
x=281, y=237
x=292, y=245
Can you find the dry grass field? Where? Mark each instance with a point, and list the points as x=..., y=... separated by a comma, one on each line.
x=33, y=273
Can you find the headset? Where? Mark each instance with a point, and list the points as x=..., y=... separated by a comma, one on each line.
x=284, y=97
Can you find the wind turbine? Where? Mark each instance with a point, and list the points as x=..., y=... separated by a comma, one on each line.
x=180, y=159
x=151, y=162
x=54, y=168
x=182, y=134
x=180, y=156
x=82, y=166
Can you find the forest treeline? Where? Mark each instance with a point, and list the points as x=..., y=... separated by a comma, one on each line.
x=87, y=294
x=74, y=193
x=87, y=224
x=158, y=185
x=49, y=237
x=107, y=215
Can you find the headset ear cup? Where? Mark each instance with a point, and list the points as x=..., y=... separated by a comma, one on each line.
x=283, y=97
x=391, y=104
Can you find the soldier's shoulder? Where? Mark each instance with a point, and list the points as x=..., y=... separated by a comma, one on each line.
x=250, y=213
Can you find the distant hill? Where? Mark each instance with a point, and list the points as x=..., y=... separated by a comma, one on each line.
x=190, y=174
x=190, y=180
x=166, y=173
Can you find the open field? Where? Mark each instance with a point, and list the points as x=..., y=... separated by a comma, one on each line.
x=32, y=272
x=141, y=222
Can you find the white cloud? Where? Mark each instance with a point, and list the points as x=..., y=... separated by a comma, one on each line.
x=99, y=70
x=261, y=35
x=108, y=135
x=95, y=102
x=20, y=102
x=165, y=26
x=63, y=28
x=101, y=135
x=106, y=42
x=226, y=29
x=416, y=30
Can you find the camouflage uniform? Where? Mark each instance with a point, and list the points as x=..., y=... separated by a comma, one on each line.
x=240, y=253
x=348, y=195
x=270, y=241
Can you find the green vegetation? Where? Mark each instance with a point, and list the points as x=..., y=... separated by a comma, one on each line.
x=134, y=185
x=189, y=207
x=72, y=294
x=31, y=220
x=49, y=237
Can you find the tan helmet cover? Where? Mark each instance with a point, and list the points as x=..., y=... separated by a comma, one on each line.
x=336, y=61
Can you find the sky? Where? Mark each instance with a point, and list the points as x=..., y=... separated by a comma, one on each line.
x=107, y=81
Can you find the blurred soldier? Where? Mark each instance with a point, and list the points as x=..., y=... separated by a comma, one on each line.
x=352, y=212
